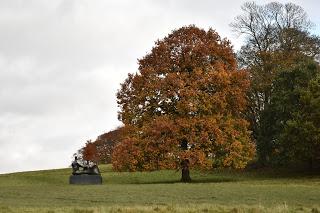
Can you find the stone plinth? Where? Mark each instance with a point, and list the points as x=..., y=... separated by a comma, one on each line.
x=85, y=179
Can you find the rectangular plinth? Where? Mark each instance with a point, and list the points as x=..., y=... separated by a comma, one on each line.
x=85, y=179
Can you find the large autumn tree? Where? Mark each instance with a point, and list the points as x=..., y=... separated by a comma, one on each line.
x=186, y=102
x=277, y=36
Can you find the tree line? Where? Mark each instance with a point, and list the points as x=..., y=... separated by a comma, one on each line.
x=194, y=98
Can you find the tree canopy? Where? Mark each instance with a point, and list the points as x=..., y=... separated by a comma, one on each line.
x=186, y=101
x=193, y=102
x=302, y=131
x=289, y=112
x=277, y=37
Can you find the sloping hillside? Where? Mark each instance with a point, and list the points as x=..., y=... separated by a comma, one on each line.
x=49, y=191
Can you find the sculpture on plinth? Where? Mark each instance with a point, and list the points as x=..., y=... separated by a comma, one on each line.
x=85, y=173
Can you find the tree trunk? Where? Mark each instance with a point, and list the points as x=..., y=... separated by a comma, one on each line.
x=185, y=173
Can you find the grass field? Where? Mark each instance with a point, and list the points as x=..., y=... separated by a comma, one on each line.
x=160, y=191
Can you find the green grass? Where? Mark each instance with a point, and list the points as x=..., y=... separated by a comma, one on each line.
x=161, y=191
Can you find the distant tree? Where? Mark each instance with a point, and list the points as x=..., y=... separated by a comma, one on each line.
x=106, y=143
x=277, y=36
x=90, y=152
x=301, y=134
x=186, y=102
x=289, y=128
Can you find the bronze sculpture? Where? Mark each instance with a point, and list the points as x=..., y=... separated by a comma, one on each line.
x=85, y=173
x=89, y=168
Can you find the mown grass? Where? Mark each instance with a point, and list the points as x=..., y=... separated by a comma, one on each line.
x=161, y=191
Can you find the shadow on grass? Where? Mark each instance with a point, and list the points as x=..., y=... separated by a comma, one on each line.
x=281, y=173
x=174, y=181
x=192, y=181
x=198, y=177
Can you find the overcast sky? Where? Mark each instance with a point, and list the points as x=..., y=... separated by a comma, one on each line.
x=62, y=61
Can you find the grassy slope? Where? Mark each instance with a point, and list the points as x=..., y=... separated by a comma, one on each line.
x=49, y=191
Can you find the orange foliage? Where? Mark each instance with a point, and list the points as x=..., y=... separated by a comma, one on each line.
x=127, y=156
x=90, y=152
x=106, y=142
x=188, y=89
